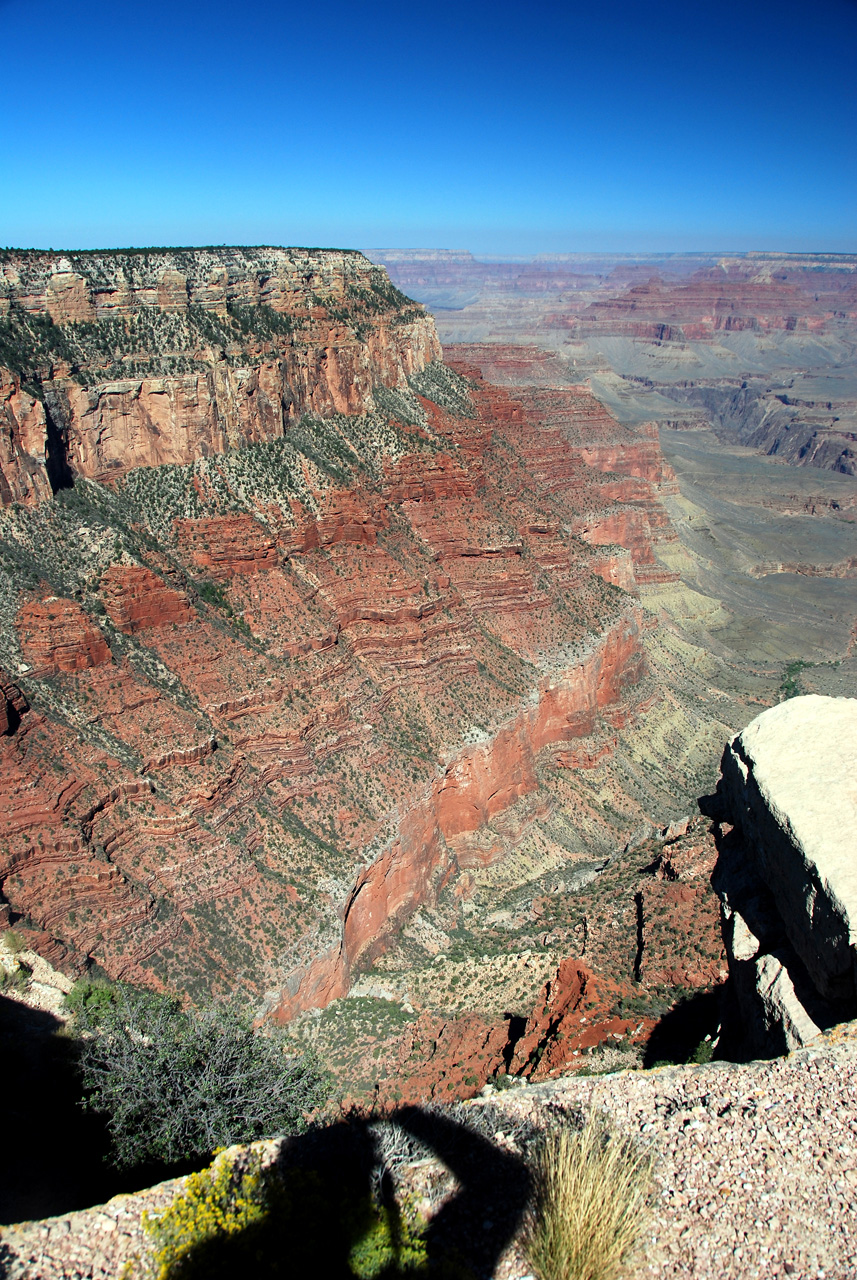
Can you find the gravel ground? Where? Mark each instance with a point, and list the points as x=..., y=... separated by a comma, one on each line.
x=756, y=1170
x=755, y=1175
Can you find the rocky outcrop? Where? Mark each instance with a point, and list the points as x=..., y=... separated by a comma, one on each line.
x=222, y=546
x=794, y=429
x=756, y=1171
x=136, y=598
x=13, y=704
x=23, y=441
x=712, y=301
x=787, y=875
x=341, y=658
x=478, y=784
x=56, y=635
x=214, y=349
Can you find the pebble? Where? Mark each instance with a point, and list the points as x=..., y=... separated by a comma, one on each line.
x=733, y=1197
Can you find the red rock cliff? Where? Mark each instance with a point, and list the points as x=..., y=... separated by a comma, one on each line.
x=169, y=356
x=277, y=694
x=23, y=439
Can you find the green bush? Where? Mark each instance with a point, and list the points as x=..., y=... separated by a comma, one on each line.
x=790, y=685
x=176, y=1084
x=14, y=942
x=704, y=1051
x=91, y=998
x=212, y=594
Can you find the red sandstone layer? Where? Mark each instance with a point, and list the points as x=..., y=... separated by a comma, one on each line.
x=23, y=439
x=655, y=925
x=292, y=787
x=149, y=394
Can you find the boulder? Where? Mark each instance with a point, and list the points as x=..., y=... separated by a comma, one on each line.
x=787, y=877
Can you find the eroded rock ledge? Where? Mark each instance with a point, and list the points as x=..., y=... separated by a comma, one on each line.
x=787, y=874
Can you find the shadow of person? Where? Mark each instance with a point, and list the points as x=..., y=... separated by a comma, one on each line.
x=329, y=1207
x=327, y=1210
x=477, y=1224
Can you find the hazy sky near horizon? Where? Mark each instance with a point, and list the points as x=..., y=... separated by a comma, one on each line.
x=499, y=128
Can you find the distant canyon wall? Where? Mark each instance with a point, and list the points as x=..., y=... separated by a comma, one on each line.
x=129, y=360
x=277, y=697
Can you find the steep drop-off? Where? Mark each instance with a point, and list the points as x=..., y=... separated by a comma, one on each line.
x=307, y=614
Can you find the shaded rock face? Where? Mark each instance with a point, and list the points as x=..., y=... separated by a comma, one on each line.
x=787, y=874
x=13, y=704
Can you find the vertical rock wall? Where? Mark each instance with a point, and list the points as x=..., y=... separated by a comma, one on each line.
x=166, y=357
x=787, y=874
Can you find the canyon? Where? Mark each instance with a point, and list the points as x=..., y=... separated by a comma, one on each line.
x=759, y=347
x=379, y=679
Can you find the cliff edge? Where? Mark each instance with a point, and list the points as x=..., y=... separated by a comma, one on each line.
x=110, y=361
x=787, y=874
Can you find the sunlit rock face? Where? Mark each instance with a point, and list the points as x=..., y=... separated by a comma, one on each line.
x=789, y=891
x=145, y=359
x=23, y=441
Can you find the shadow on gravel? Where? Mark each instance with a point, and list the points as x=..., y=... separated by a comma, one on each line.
x=333, y=1188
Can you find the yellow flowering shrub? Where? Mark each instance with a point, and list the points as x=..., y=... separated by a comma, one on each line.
x=220, y=1202
x=235, y=1218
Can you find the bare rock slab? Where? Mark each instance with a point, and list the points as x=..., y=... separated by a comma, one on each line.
x=790, y=784
x=787, y=874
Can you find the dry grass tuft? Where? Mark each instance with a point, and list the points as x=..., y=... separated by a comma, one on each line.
x=592, y=1197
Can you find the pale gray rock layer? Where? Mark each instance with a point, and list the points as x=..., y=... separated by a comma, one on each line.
x=789, y=891
x=790, y=783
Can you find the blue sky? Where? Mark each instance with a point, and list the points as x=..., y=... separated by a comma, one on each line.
x=499, y=128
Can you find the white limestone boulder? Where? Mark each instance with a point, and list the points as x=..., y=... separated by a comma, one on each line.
x=789, y=781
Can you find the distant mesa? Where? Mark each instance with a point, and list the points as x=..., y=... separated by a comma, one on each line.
x=126, y=359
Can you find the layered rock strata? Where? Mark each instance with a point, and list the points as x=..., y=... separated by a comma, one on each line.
x=789, y=886
x=278, y=693
x=23, y=442
x=142, y=359
x=760, y=345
